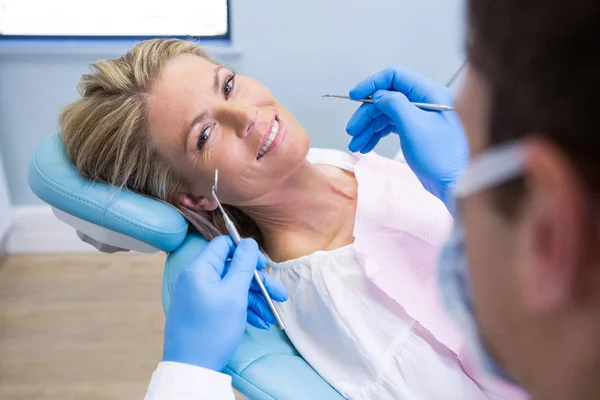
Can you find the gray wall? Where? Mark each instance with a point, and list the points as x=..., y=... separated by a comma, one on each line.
x=299, y=48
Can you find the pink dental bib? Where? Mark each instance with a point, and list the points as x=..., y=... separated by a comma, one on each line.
x=399, y=229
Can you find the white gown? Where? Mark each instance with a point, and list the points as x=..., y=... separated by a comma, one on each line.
x=343, y=315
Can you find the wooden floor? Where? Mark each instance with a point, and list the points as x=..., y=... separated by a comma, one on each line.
x=79, y=326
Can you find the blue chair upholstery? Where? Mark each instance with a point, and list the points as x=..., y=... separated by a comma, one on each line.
x=54, y=180
x=266, y=366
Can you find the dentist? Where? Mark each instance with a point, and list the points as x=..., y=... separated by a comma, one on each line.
x=521, y=271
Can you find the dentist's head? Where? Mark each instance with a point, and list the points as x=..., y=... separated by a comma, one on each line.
x=531, y=212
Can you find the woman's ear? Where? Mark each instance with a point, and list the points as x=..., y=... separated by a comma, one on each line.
x=198, y=203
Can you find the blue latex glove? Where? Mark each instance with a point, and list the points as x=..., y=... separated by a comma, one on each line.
x=211, y=301
x=433, y=142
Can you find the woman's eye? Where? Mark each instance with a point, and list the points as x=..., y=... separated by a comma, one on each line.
x=204, y=135
x=228, y=86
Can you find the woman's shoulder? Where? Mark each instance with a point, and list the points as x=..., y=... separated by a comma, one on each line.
x=336, y=158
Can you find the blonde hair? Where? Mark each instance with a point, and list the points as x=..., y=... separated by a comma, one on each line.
x=106, y=136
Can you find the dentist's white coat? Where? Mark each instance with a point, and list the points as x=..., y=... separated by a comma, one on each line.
x=175, y=381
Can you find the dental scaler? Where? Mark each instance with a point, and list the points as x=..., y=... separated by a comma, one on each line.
x=235, y=235
x=423, y=106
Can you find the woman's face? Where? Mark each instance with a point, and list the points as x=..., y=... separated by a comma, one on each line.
x=204, y=117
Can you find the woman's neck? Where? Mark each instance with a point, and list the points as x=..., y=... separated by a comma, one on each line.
x=305, y=214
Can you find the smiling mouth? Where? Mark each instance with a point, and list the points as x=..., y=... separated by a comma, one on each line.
x=270, y=138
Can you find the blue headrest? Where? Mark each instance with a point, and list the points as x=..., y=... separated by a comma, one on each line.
x=54, y=179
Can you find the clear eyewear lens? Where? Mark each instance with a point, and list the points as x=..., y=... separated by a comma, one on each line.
x=491, y=168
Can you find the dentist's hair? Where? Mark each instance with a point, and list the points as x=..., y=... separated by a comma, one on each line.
x=538, y=60
x=105, y=132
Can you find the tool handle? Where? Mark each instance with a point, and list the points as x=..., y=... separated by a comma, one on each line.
x=235, y=235
x=270, y=303
x=432, y=107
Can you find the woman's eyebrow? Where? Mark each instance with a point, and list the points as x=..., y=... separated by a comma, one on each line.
x=202, y=113
x=195, y=121
x=216, y=83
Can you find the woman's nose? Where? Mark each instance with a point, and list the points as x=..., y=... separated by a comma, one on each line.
x=241, y=117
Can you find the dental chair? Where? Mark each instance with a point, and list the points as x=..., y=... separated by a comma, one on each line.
x=266, y=366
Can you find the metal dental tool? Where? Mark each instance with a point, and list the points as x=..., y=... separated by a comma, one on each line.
x=424, y=106
x=457, y=72
x=235, y=235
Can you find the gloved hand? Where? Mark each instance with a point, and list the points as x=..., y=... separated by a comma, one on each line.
x=433, y=142
x=211, y=301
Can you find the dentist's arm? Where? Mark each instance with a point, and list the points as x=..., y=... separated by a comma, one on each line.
x=433, y=142
x=211, y=301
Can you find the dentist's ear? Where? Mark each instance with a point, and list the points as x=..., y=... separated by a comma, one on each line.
x=560, y=222
x=198, y=203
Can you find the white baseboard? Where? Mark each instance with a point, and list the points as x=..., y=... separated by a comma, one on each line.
x=35, y=229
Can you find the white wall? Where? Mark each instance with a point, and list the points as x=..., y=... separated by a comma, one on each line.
x=300, y=49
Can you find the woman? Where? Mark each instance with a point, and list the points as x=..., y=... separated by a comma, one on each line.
x=338, y=228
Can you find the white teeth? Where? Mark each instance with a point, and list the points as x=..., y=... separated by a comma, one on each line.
x=270, y=139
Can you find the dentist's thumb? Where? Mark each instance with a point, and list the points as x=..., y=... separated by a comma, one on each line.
x=396, y=106
x=243, y=264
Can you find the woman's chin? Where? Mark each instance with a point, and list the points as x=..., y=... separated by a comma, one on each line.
x=298, y=148
x=290, y=155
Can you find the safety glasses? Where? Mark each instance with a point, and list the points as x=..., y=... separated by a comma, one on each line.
x=492, y=167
